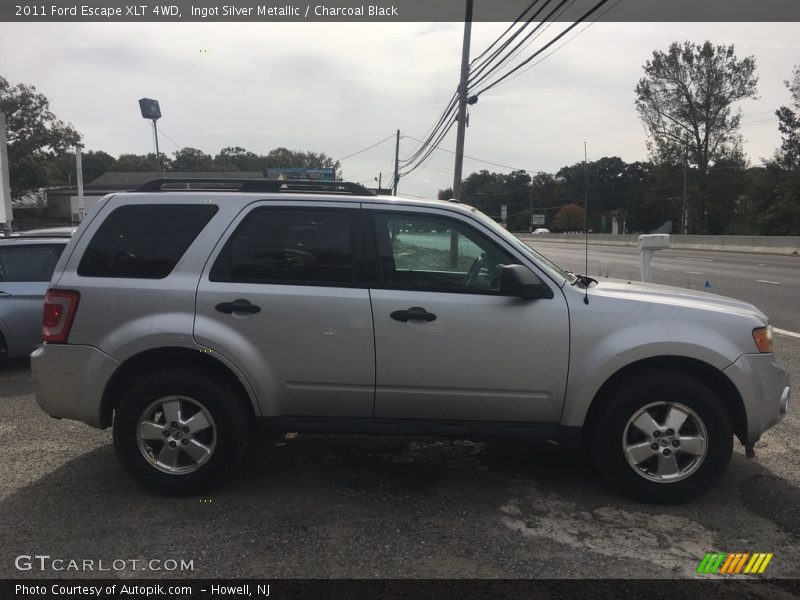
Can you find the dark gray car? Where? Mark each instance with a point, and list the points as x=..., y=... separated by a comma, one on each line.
x=26, y=265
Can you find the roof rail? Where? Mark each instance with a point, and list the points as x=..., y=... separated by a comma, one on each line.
x=199, y=184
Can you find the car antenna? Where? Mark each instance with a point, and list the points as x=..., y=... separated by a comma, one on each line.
x=585, y=220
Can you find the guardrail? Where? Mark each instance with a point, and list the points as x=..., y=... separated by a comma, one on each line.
x=789, y=244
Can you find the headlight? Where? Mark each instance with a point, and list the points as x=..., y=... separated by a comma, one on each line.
x=763, y=338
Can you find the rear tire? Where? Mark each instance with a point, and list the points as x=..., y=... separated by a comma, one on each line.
x=180, y=432
x=664, y=438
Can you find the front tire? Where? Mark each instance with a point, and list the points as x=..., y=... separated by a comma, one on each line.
x=180, y=432
x=664, y=438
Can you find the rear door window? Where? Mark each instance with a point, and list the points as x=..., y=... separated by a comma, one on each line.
x=29, y=262
x=305, y=246
x=144, y=241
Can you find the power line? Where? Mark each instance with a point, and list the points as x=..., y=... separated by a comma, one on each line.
x=476, y=159
x=365, y=149
x=543, y=48
x=567, y=41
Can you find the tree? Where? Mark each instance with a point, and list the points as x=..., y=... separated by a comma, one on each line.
x=193, y=160
x=236, y=158
x=283, y=157
x=685, y=101
x=569, y=218
x=789, y=125
x=35, y=137
x=141, y=163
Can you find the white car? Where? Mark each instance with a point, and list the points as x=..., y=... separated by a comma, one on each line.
x=540, y=230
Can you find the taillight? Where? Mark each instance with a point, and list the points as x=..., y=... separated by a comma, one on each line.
x=58, y=314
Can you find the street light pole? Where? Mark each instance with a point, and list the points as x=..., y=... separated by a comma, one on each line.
x=462, y=104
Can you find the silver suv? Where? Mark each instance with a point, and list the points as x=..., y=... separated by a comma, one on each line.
x=26, y=266
x=184, y=317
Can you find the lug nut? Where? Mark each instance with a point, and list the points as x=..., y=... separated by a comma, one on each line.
x=185, y=430
x=165, y=433
x=184, y=441
x=654, y=446
x=670, y=432
x=667, y=452
x=174, y=425
x=656, y=434
x=172, y=444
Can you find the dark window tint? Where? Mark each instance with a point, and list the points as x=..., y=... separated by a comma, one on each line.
x=436, y=254
x=144, y=241
x=29, y=263
x=289, y=246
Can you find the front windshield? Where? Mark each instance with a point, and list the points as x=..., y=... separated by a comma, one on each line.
x=552, y=269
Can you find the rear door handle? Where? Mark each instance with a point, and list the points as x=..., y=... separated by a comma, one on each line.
x=4, y=293
x=241, y=306
x=415, y=313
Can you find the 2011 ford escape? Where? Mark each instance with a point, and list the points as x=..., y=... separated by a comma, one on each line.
x=184, y=317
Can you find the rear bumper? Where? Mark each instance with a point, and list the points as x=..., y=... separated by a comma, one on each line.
x=764, y=387
x=69, y=381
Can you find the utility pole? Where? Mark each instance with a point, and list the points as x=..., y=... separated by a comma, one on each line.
x=684, y=214
x=396, y=163
x=462, y=104
x=79, y=172
x=6, y=211
x=530, y=225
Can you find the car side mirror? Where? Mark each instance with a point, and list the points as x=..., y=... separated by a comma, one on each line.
x=516, y=280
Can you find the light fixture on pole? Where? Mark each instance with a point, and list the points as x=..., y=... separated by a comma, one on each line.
x=151, y=110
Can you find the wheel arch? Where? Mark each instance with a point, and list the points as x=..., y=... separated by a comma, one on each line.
x=177, y=357
x=707, y=374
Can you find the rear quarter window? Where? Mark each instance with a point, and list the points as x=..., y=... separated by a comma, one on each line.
x=144, y=241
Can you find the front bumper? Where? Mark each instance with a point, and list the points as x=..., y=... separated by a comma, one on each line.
x=69, y=381
x=765, y=391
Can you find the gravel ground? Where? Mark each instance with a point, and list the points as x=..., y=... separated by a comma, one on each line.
x=335, y=506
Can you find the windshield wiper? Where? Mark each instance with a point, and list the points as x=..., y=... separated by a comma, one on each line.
x=584, y=280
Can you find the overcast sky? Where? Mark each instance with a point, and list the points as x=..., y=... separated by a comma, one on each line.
x=337, y=88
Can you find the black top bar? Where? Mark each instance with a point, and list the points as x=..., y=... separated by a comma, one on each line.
x=200, y=184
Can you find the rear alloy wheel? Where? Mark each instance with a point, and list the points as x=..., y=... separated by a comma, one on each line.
x=180, y=432
x=664, y=438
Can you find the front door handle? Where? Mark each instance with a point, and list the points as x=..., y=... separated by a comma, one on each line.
x=240, y=306
x=415, y=313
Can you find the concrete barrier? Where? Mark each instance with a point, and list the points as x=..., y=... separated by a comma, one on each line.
x=789, y=244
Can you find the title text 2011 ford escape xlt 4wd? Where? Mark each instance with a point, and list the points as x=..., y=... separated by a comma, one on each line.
x=183, y=317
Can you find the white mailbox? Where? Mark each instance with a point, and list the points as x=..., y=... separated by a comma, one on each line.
x=654, y=241
x=647, y=245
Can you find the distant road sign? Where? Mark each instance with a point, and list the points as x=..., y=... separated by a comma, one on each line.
x=537, y=219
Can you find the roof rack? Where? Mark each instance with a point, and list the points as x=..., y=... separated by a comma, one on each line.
x=199, y=184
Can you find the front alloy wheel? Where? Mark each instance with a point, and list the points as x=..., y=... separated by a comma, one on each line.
x=663, y=437
x=665, y=442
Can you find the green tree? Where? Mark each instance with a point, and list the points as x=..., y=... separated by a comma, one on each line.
x=236, y=158
x=685, y=101
x=789, y=125
x=283, y=157
x=36, y=138
x=141, y=163
x=192, y=160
